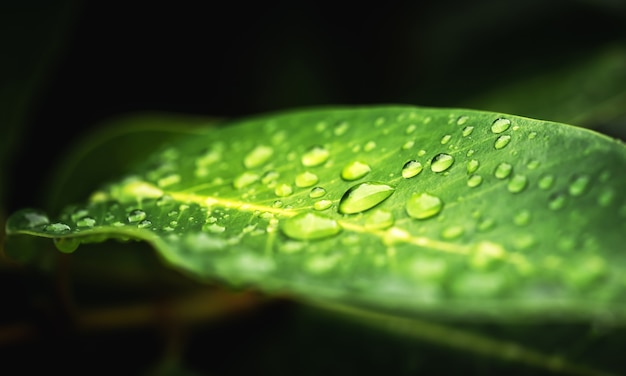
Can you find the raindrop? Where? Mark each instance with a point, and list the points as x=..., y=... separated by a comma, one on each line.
x=411, y=169
x=270, y=177
x=441, y=162
x=315, y=156
x=421, y=153
x=277, y=204
x=469, y=153
x=322, y=204
x=503, y=170
x=579, y=184
x=532, y=165
x=522, y=218
x=364, y=196
x=136, y=215
x=379, y=219
x=546, y=182
x=66, y=245
x=379, y=121
x=29, y=219
x=472, y=166
x=606, y=197
x=258, y=156
x=144, y=224
x=371, y=145
x=517, y=183
x=423, y=205
x=502, y=141
x=407, y=145
x=310, y=226
x=452, y=232
x=556, y=201
x=86, y=221
x=213, y=227
x=283, y=190
x=169, y=180
x=355, y=170
x=57, y=228
x=306, y=179
x=410, y=128
x=468, y=130
x=78, y=214
x=317, y=192
x=245, y=179
x=532, y=135
x=341, y=128
x=445, y=139
x=500, y=125
x=462, y=120
x=474, y=181
x=486, y=224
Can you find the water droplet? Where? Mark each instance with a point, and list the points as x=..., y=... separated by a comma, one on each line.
x=379, y=121
x=503, y=170
x=452, y=232
x=57, y=228
x=315, y=156
x=423, y=205
x=474, y=181
x=532, y=135
x=144, y=224
x=317, y=192
x=579, y=184
x=468, y=130
x=546, y=182
x=517, y=183
x=283, y=190
x=410, y=128
x=606, y=197
x=445, y=139
x=341, y=128
x=522, y=218
x=462, y=120
x=136, y=215
x=310, y=226
x=502, y=141
x=469, y=153
x=258, y=156
x=364, y=196
x=213, y=227
x=407, y=145
x=500, y=125
x=66, y=245
x=472, y=166
x=421, y=153
x=277, y=204
x=168, y=180
x=486, y=224
x=322, y=204
x=379, y=219
x=371, y=145
x=306, y=179
x=355, y=170
x=86, y=221
x=556, y=201
x=27, y=218
x=532, y=165
x=411, y=169
x=441, y=162
x=245, y=179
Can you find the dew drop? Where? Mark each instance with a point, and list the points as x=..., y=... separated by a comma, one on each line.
x=379, y=219
x=522, y=218
x=441, y=162
x=462, y=120
x=341, y=128
x=423, y=205
x=317, y=192
x=269, y=177
x=168, y=180
x=410, y=128
x=485, y=224
x=369, y=146
x=86, y=221
x=144, y=224
x=452, y=232
x=500, y=125
x=310, y=226
x=546, y=182
x=472, y=166
x=502, y=141
x=474, y=181
x=411, y=169
x=606, y=197
x=66, y=245
x=355, y=170
x=283, y=190
x=136, y=215
x=469, y=153
x=421, y=153
x=579, y=185
x=468, y=131
x=322, y=204
x=407, y=145
x=277, y=204
x=445, y=139
x=214, y=228
x=556, y=201
x=27, y=218
x=532, y=165
x=315, y=156
x=306, y=179
x=532, y=135
x=57, y=228
x=503, y=170
x=364, y=196
x=517, y=183
x=245, y=179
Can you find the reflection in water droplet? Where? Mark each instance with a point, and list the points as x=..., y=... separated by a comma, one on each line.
x=283, y=190
x=468, y=130
x=322, y=204
x=364, y=196
x=502, y=141
x=522, y=218
x=411, y=169
x=306, y=179
x=452, y=232
x=474, y=181
x=462, y=120
x=86, y=222
x=546, y=182
x=556, y=201
x=315, y=156
x=317, y=192
x=579, y=184
x=517, y=183
x=57, y=228
x=310, y=226
x=500, y=125
x=472, y=166
x=503, y=170
x=423, y=205
x=355, y=170
x=445, y=139
x=441, y=162
x=136, y=215
x=369, y=146
x=245, y=179
x=379, y=219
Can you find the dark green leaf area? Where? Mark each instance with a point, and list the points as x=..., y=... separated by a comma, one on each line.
x=444, y=211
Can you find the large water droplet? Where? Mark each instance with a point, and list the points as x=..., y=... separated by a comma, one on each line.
x=317, y=192
x=315, y=156
x=364, y=196
x=517, y=183
x=502, y=141
x=472, y=166
x=355, y=170
x=136, y=215
x=258, y=156
x=310, y=226
x=441, y=162
x=468, y=130
x=283, y=190
x=306, y=179
x=474, y=181
x=379, y=219
x=27, y=219
x=500, y=125
x=503, y=170
x=245, y=179
x=579, y=184
x=423, y=205
x=411, y=169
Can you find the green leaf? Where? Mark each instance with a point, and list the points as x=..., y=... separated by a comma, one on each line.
x=450, y=212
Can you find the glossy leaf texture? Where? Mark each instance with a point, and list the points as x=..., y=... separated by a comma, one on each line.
x=451, y=212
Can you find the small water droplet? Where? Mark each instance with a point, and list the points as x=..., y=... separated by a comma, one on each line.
x=556, y=201
x=469, y=153
x=411, y=169
x=283, y=190
x=245, y=179
x=86, y=221
x=472, y=166
x=322, y=204
x=500, y=125
x=277, y=204
x=66, y=245
x=355, y=170
x=474, y=181
x=452, y=232
x=486, y=224
x=144, y=224
x=168, y=180
x=532, y=135
x=503, y=170
x=579, y=185
x=315, y=156
x=546, y=182
x=423, y=205
x=364, y=196
x=269, y=177
x=306, y=179
x=517, y=183
x=310, y=226
x=441, y=162
x=533, y=164
x=502, y=141
x=379, y=219
x=213, y=227
x=407, y=145
x=522, y=218
x=317, y=192
x=445, y=139
x=369, y=146
x=57, y=228
x=462, y=120
x=410, y=128
x=136, y=215
x=606, y=197
x=468, y=130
